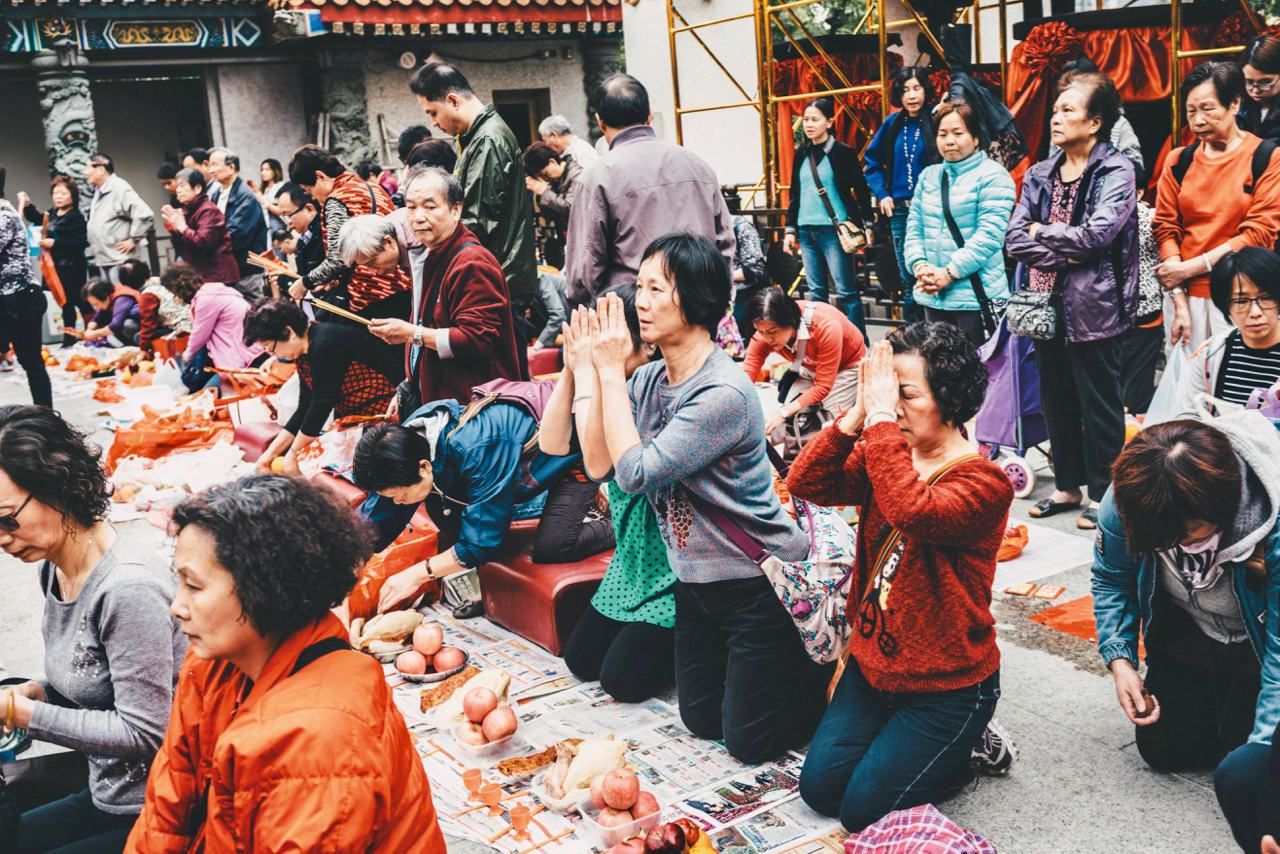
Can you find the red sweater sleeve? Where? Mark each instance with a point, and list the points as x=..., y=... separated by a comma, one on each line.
x=957, y=510
x=149, y=317
x=826, y=342
x=831, y=470
x=1262, y=220
x=1166, y=225
x=478, y=303
x=757, y=352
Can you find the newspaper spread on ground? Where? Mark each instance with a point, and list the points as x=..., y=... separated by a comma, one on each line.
x=744, y=809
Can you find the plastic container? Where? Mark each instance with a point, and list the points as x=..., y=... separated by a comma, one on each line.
x=494, y=752
x=607, y=837
x=568, y=804
x=390, y=657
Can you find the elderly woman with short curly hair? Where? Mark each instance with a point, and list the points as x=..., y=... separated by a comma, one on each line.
x=111, y=648
x=281, y=733
x=915, y=705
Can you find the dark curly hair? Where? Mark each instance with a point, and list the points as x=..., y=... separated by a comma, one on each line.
x=956, y=375
x=270, y=319
x=51, y=460
x=294, y=550
x=181, y=280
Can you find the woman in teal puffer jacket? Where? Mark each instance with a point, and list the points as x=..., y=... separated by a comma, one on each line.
x=980, y=195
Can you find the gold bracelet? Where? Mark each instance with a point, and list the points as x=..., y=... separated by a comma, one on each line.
x=11, y=719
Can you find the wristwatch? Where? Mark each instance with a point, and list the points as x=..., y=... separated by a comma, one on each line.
x=417, y=336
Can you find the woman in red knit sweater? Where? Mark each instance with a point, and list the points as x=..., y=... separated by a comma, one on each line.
x=912, y=716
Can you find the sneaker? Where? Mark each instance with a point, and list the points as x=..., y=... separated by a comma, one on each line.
x=995, y=753
x=6, y=365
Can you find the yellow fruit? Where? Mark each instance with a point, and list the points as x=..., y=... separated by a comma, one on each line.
x=277, y=465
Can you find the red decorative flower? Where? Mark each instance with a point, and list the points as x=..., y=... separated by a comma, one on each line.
x=1050, y=46
x=1235, y=30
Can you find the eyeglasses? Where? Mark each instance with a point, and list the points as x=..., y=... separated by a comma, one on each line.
x=10, y=523
x=1242, y=306
x=1260, y=86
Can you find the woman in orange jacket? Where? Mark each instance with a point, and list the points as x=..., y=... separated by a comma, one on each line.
x=282, y=737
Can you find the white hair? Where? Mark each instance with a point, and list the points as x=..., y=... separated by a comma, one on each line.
x=555, y=124
x=363, y=237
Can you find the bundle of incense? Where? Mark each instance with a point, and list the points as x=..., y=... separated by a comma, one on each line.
x=216, y=370
x=333, y=309
x=271, y=265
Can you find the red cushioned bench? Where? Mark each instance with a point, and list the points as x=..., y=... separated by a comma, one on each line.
x=538, y=601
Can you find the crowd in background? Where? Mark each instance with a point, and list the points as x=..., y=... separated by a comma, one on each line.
x=454, y=274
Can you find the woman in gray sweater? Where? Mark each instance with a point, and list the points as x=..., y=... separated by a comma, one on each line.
x=112, y=649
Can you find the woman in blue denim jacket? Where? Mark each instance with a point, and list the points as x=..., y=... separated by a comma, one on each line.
x=1187, y=550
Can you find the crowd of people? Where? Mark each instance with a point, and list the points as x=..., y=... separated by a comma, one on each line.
x=195, y=695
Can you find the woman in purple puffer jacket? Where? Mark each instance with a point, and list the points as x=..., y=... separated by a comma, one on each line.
x=1076, y=230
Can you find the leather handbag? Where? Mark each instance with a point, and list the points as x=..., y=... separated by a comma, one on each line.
x=852, y=237
x=1033, y=314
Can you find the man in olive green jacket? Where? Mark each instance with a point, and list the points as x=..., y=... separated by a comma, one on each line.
x=495, y=205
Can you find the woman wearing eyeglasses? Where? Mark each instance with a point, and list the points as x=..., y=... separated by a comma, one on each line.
x=1261, y=64
x=112, y=649
x=1245, y=286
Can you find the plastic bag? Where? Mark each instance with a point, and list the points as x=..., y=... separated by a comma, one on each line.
x=1164, y=406
x=159, y=434
x=409, y=549
x=1012, y=546
x=169, y=374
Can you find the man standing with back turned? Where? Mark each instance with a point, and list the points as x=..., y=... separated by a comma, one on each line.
x=496, y=207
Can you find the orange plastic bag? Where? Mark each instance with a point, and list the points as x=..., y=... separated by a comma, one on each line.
x=158, y=435
x=1013, y=545
x=411, y=547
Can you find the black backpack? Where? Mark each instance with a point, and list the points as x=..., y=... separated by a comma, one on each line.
x=1261, y=160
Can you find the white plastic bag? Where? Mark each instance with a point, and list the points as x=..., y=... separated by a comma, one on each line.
x=1164, y=405
x=170, y=374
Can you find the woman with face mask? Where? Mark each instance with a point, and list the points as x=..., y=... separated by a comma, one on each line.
x=956, y=228
x=809, y=224
x=1187, y=557
x=1075, y=228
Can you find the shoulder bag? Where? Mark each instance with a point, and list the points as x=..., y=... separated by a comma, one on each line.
x=852, y=238
x=1033, y=314
x=813, y=590
x=984, y=304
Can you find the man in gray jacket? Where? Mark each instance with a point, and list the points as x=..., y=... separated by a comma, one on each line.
x=118, y=218
x=642, y=189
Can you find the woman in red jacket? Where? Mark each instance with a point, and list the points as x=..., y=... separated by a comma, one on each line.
x=199, y=230
x=922, y=676
x=282, y=738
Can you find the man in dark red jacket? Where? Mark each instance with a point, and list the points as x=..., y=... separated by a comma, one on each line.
x=462, y=335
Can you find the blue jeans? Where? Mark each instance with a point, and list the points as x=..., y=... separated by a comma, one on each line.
x=824, y=259
x=1237, y=782
x=898, y=228
x=877, y=751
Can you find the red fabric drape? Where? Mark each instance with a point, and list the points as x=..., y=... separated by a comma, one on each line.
x=793, y=76
x=1137, y=59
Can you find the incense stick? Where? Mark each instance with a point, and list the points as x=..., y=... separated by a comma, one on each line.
x=333, y=309
x=552, y=839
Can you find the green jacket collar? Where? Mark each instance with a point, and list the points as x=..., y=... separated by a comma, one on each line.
x=465, y=139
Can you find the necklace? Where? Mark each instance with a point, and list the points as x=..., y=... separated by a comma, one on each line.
x=907, y=152
x=80, y=572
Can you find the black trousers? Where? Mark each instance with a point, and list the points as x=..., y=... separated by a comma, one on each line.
x=22, y=318
x=968, y=321
x=1140, y=350
x=633, y=661
x=563, y=536
x=72, y=825
x=1080, y=395
x=742, y=673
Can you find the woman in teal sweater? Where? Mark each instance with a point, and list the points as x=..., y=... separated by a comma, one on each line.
x=626, y=638
x=979, y=194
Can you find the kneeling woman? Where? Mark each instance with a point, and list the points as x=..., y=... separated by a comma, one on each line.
x=481, y=467
x=111, y=648
x=626, y=637
x=342, y=369
x=282, y=736
x=923, y=671
x=1187, y=552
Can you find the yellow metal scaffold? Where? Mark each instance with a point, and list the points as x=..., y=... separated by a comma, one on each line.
x=1177, y=54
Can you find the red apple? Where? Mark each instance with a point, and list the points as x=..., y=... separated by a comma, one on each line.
x=620, y=788
x=691, y=830
x=478, y=703
x=610, y=817
x=411, y=662
x=472, y=734
x=500, y=723
x=428, y=638
x=597, y=796
x=647, y=804
x=1010, y=532
x=448, y=658
x=634, y=845
x=665, y=839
